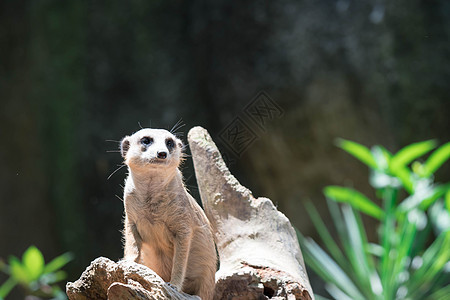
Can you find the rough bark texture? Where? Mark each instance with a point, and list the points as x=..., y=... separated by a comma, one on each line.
x=105, y=279
x=259, y=253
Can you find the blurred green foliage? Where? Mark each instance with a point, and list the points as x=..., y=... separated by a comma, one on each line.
x=33, y=275
x=410, y=260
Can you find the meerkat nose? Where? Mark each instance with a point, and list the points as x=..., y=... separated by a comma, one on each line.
x=162, y=154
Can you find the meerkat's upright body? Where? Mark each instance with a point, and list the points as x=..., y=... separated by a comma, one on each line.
x=165, y=228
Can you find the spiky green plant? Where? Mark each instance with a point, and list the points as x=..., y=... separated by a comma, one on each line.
x=33, y=275
x=410, y=260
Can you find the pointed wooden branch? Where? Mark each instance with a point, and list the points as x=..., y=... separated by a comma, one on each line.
x=259, y=253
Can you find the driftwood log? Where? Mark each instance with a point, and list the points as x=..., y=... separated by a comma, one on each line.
x=105, y=279
x=259, y=253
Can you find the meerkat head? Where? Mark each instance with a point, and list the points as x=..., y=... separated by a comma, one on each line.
x=151, y=149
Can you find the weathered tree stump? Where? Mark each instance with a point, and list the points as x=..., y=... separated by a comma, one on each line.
x=260, y=257
x=105, y=279
x=259, y=253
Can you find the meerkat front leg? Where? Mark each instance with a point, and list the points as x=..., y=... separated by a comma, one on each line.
x=181, y=252
x=133, y=242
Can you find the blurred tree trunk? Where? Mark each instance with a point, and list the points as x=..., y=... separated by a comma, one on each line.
x=26, y=213
x=58, y=51
x=42, y=88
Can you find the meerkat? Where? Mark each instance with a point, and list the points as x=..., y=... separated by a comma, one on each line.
x=165, y=229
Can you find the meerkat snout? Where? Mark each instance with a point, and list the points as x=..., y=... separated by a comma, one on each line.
x=161, y=154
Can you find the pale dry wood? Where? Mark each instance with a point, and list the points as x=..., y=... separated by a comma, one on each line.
x=259, y=253
x=106, y=279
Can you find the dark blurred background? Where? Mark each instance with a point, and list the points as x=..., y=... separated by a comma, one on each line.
x=76, y=74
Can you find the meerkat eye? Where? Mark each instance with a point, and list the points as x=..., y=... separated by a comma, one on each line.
x=146, y=140
x=170, y=144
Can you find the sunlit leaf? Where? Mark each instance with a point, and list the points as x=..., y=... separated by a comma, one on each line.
x=18, y=271
x=54, y=277
x=440, y=191
x=355, y=199
x=440, y=294
x=363, y=263
x=405, y=177
x=434, y=259
x=382, y=157
x=439, y=217
x=326, y=236
x=436, y=159
x=359, y=151
x=380, y=180
x=410, y=153
x=387, y=237
x=6, y=287
x=58, y=262
x=327, y=268
x=418, y=168
x=339, y=224
x=447, y=200
x=375, y=249
x=403, y=249
x=33, y=261
x=424, y=195
x=337, y=292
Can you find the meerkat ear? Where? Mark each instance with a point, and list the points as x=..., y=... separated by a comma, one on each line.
x=124, y=146
x=180, y=144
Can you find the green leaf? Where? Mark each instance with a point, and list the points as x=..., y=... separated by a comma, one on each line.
x=410, y=153
x=18, y=271
x=379, y=180
x=54, y=277
x=359, y=151
x=447, y=200
x=439, y=217
x=6, y=287
x=326, y=236
x=362, y=262
x=336, y=292
x=33, y=261
x=405, y=177
x=434, y=259
x=58, y=262
x=355, y=199
x=424, y=195
x=375, y=249
x=440, y=294
x=327, y=268
x=439, y=191
x=436, y=159
x=403, y=249
x=382, y=157
x=387, y=235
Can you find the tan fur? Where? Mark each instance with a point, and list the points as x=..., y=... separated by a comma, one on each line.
x=165, y=228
